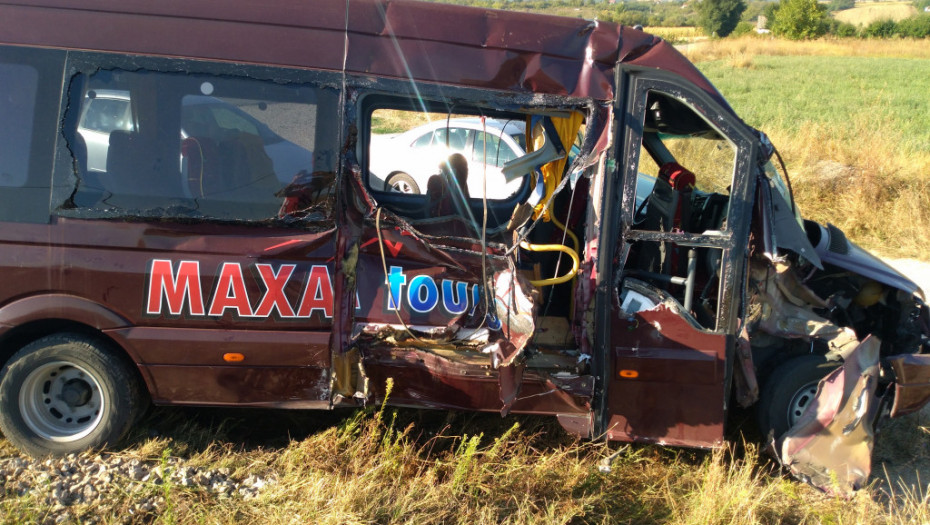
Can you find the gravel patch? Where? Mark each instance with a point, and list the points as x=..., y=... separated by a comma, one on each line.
x=77, y=487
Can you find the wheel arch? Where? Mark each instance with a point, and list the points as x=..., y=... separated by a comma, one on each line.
x=31, y=318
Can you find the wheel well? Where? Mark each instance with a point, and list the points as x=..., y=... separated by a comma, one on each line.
x=777, y=351
x=16, y=338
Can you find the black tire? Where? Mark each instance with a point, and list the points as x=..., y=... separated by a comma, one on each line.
x=67, y=393
x=402, y=183
x=788, y=391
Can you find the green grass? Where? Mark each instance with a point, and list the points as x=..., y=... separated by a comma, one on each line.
x=853, y=131
x=788, y=92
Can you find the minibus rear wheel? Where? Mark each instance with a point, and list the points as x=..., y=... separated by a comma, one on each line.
x=66, y=393
x=789, y=390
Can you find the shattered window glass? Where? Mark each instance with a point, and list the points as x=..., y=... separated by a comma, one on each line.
x=164, y=145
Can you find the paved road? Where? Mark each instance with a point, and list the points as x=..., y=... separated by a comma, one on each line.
x=918, y=271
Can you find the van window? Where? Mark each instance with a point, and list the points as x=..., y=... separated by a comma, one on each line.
x=190, y=146
x=406, y=149
x=684, y=174
x=30, y=96
x=693, y=162
x=18, y=84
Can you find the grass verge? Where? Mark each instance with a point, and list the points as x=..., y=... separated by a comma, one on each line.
x=405, y=466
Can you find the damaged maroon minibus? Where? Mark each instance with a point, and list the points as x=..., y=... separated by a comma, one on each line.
x=231, y=203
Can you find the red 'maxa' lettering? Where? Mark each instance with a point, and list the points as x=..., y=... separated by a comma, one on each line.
x=182, y=289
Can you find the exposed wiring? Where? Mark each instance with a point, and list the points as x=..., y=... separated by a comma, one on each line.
x=529, y=229
x=387, y=282
x=484, y=224
x=577, y=245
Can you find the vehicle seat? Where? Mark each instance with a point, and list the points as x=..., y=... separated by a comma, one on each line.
x=670, y=201
x=447, y=191
x=244, y=169
x=668, y=209
x=134, y=167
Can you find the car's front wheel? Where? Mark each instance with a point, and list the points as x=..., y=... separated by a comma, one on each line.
x=66, y=393
x=403, y=183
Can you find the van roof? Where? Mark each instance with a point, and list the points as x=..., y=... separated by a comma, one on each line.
x=428, y=42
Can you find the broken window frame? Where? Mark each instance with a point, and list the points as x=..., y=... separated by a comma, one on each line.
x=733, y=238
x=451, y=100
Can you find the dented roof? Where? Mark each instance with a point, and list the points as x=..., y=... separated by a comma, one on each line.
x=425, y=42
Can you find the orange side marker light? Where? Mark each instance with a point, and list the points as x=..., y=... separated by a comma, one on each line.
x=233, y=357
x=629, y=374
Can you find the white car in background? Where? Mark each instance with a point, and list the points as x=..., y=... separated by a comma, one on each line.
x=404, y=162
x=108, y=110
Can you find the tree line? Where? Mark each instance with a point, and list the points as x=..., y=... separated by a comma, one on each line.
x=793, y=19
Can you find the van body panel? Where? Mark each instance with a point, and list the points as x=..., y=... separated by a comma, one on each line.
x=912, y=383
x=658, y=356
x=426, y=43
x=424, y=380
x=272, y=387
x=199, y=347
x=182, y=29
x=60, y=306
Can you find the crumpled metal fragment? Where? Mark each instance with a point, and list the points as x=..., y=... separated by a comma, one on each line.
x=830, y=446
x=514, y=310
x=514, y=313
x=783, y=308
x=744, y=373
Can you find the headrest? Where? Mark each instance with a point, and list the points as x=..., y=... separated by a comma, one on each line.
x=677, y=176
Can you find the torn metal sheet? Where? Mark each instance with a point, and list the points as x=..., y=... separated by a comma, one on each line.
x=781, y=306
x=912, y=383
x=830, y=446
x=514, y=315
x=744, y=373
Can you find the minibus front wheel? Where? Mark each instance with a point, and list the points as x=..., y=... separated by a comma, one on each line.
x=66, y=393
x=788, y=392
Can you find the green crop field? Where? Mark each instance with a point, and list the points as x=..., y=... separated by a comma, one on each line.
x=786, y=93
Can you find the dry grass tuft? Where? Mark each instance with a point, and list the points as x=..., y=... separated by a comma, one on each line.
x=677, y=34
x=868, y=188
x=433, y=467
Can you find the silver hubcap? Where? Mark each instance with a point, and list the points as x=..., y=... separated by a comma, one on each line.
x=61, y=401
x=799, y=403
x=402, y=186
